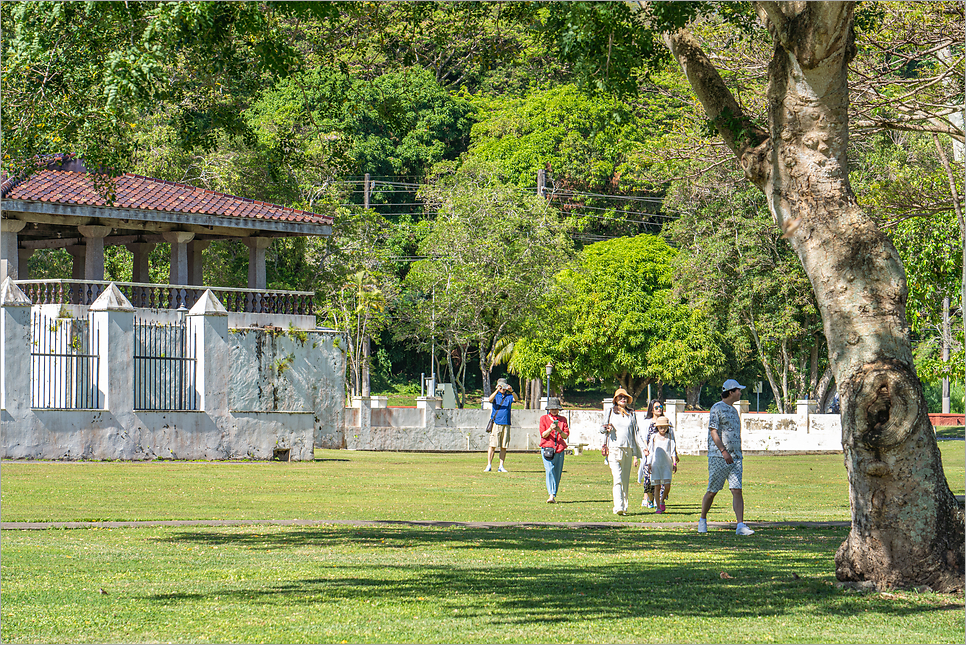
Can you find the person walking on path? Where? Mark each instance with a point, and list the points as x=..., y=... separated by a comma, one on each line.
x=554, y=433
x=662, y=459
x=724, y=456
x=621, y=443
x=502, y=400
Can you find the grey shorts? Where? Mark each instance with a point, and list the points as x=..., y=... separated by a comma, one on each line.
x=500, y=437
x=719, y=470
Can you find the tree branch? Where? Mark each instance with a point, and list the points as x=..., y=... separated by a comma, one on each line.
x=747, y=141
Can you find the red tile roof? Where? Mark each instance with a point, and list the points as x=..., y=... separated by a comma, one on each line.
x=145, y=193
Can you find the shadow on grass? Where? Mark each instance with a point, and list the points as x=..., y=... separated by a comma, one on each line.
x=950, y=432
x=777, y=572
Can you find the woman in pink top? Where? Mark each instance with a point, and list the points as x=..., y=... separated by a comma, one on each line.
x=554, y=432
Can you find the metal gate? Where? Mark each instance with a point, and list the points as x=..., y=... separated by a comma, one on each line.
x=64, y=365
x=165, y=366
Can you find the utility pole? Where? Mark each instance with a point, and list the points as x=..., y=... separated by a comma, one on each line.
x=541, y=183
x=365, y=191
x=946, y=343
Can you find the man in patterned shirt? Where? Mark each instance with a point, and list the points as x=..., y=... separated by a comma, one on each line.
x=724, y=455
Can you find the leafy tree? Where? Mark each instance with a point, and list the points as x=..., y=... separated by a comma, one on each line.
x=590, y=146
x=601, y=319
x=78, y=76
x=491, y=254
x=732, y=262
x=800, y=163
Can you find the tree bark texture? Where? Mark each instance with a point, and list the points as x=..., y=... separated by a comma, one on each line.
x=907, y=527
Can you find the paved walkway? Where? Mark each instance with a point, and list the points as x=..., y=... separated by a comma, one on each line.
x=33, y=526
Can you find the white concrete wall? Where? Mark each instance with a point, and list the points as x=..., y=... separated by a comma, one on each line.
x=290, y=371
x=412, y=429
x=300, y=407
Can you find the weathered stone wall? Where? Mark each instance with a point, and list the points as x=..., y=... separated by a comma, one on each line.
x=290, y=371
x=259, y=391
x=417, y=429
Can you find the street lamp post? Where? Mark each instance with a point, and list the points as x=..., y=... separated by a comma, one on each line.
x=549, y=372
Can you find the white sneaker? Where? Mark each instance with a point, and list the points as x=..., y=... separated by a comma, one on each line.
x=501, y=469
x=488, y=468
x=743, y=530
x=702, y=525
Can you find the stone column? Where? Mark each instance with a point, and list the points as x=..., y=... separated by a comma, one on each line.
x=14, y=351
x=94, y=258
x=196, y=261
x=179, y=255
x=141, y=269
x=9, y=257
x=113, y=318
x=256, y=261
x=208, y=321
x=23, y=270
x=78, y=253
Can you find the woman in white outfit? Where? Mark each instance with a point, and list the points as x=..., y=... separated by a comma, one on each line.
x=621, y=442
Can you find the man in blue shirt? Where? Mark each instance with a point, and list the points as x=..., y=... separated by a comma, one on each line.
x=501, y=399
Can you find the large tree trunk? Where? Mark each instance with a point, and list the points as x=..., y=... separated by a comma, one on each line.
x=907, y=528
x=692, y=396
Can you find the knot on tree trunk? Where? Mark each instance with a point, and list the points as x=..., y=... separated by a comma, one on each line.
x=885, y=405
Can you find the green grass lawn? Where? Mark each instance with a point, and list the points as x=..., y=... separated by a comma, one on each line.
x=414, y=583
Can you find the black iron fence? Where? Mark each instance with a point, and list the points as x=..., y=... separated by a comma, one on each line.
x=65, y=366
x=165, y=366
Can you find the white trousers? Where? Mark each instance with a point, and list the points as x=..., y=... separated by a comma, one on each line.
x=619, y=460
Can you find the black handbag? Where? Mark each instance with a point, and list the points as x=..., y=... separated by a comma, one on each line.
x=549, y=452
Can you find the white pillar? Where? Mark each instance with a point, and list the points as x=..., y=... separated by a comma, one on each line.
x=14, y=349
x=94, y=257
x=196, y=261
x=208, y=321
x=9, y=257
x=113, y=320
x=179, y=255
x=256, y=261
x=141, y=269
x=672, y=408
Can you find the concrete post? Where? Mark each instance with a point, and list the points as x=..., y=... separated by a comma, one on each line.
x=208, y=321
x=179, y=255
x=9, y=258
x=113, y=319
x=196, y=261
x=141, y=269
x=94, y=258
x=672, y=408
x=14, y=348
x=256, y=261
x=23, y=270
x=742, y=407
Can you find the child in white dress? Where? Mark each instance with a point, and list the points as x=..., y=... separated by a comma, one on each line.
x=663, y=460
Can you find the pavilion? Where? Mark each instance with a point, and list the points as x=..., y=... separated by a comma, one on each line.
x=59, y=206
